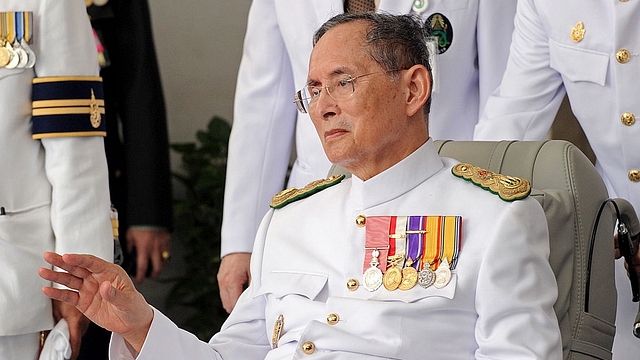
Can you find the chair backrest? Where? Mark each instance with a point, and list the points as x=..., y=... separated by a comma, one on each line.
x=571, y=193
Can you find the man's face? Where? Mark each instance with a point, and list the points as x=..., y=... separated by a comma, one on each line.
x=363, y=133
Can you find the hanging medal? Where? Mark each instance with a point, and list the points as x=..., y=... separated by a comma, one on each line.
x=11, y=36
x=442, y=243
x=397, y=250
x=443, y=275
x=419, y=250
x=17, y=44
x=27, y=38
x=376, y=248
x=5, y=54
x=372, y=278
x=415, y=233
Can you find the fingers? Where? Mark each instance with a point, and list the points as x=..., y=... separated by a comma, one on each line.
x=80, y=265
x=67, y=296
x=62, y=278
x=230, y=297
x=142, y=263
x=233, y=275
x=149, y=245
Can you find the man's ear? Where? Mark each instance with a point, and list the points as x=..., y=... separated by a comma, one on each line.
x=419, y=88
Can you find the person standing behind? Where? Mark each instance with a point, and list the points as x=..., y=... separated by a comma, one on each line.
x=137, y=144
x=588, y=50
x=471, y=41
x=54, y=195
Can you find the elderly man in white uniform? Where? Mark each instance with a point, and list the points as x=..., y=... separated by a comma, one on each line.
x=402, y=261
x=470, y=57
x=590, y=51
x=54, y=192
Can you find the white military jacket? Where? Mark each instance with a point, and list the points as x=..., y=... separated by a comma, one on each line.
x=498, y=304
x=591, y=50
x=275, y=63
x=54, y=191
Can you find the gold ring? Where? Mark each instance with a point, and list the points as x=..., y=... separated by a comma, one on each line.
x=165, y=255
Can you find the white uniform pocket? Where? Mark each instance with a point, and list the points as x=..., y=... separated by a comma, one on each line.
x=577, y=64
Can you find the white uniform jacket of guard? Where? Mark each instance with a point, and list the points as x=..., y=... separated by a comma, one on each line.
x=275, y=63
x=545, y=63
x=498, y=304
x=54, y=191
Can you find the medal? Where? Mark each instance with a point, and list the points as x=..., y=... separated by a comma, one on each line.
x=17, y=44
x=10, y=32
x=31, y=56
x=426, y=277
x=443, y=275
x=5, y=56
x=397, y=250
x=13, y=58
x=27, y=25
x=409, y=278
x=393, y=277
x=22, y=56
x=372, y=277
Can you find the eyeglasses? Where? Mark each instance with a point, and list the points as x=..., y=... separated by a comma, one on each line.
x=339, y=89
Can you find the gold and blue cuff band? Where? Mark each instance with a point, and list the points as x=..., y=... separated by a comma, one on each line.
x=68, y=106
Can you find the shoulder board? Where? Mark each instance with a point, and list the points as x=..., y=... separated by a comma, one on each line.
x=508, y=188
x=292, y=194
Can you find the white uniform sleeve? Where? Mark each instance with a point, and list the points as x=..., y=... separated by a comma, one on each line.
x=262, y=133
x=243, y=335
x=525, y=104
x=75, y=167
x=493, y=30
x=515, y=294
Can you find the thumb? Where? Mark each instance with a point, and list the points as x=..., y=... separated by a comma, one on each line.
x=109, y=293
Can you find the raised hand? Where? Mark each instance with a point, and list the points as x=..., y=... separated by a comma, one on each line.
x=103, y=292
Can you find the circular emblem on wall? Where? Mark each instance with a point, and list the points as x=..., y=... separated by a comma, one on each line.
x=442, y=30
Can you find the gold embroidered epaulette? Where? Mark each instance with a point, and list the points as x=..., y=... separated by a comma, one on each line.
x=508, y=188
x=292, y=194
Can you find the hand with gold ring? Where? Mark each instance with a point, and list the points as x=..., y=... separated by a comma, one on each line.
x=152, y=250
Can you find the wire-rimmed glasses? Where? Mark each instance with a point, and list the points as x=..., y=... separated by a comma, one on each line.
x=339, y=89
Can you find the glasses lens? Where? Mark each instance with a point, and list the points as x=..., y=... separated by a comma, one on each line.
x=301, y=101
x=342, y=88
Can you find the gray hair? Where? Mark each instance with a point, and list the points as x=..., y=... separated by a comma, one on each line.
x=393, y=41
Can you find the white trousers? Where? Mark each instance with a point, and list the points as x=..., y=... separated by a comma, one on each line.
x=20, y=346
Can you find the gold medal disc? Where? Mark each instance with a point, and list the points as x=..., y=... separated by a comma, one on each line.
x=409, y=278
x=392, y=278
x=5, y=56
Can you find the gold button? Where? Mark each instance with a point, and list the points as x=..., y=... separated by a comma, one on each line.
x=623, y=56
x=333, y=319
x=634, y=175
x=628, y=119
x=308, y=347
x=623, y=0
x=352, y=284
x=361, y=220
